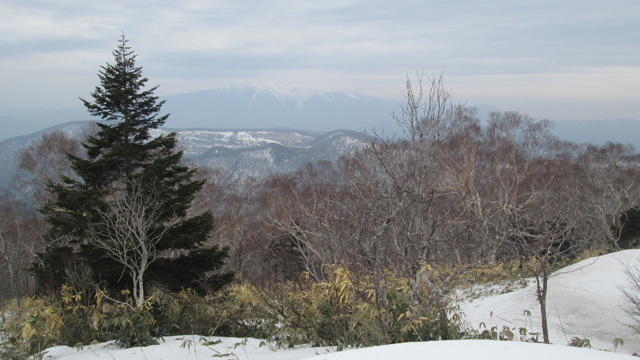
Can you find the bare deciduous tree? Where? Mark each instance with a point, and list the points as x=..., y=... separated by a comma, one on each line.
x=609, y=176
x=539, y=205
x=401, y=214
x=47, y=159
x=545, y=233
x=128, y=230
x=20, y=240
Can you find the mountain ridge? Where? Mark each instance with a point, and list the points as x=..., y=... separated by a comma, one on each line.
x=268, y=107
x=279, y=106
x=246, y=152
x=241, y=153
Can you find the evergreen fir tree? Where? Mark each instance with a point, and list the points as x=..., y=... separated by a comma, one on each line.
x=122, y=158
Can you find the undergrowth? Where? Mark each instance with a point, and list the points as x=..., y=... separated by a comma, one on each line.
x=345, y=310
x=342, y=311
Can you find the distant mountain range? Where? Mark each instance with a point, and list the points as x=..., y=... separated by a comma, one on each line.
x=301, y=127
x=241, y=153
x=248, y=107
x=259, y=153
x=626, y=131
x=260, y=107
x=283, y=107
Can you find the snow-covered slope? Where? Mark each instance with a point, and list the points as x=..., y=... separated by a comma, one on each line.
x=586, y=295
x=186, y=347
x=584, y=300
x=199, y=141
x=471, y=349
x=192, y=348
x=268, y=156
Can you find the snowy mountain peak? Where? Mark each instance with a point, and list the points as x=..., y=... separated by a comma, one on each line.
x=286, y=92
x=278, y=105
x=282, y=93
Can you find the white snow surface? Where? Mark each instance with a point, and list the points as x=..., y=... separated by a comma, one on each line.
x=285, y=92
x=585, y=300
x=197, y=142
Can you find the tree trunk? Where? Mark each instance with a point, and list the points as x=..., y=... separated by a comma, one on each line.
x=140, y=299
x=380, y=296
x=543, y=309
x=444, y=322
x=542, y=300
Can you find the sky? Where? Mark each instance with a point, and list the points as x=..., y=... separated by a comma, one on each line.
x=556, y=59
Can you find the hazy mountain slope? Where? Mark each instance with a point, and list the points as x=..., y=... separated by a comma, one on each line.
x=276, y=107
x=626, y=131
x=10, y=148
x=242, y=153
x=279, y=106
x=277, y=158
x=248, y=107
x=21, y=123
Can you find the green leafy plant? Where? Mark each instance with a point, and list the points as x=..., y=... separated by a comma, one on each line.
x=616, y=343
x=29, y=327
x=187, y=312
x=580, y=342
x=340, y=311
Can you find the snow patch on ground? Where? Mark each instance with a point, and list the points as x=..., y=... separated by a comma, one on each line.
x=187, y=347
x=585, y=300
x=471, y=349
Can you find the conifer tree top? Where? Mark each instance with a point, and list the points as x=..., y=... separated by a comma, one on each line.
x=121, y=95
x=128, y=112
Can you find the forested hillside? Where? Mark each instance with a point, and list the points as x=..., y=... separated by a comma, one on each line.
x=239, y=153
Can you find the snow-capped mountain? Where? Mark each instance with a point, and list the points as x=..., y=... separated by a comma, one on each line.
x=281, y=106
x=278, y=106
x=240, y=107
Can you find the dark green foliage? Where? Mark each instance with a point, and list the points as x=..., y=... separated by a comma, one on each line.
x=52, y=267
x=187, y=313
x=120, y=156
x=192, y=271
x=286, y=262
x=132, y=327
x=630, y=229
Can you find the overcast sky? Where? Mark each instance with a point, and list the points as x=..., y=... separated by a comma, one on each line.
x=558, y=59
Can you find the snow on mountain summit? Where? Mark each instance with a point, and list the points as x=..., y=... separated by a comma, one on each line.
x=286, y=92
x=282, y=92
x=279, y=105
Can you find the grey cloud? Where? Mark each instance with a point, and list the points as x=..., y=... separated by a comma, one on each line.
x=16, y=49
x=354, y=40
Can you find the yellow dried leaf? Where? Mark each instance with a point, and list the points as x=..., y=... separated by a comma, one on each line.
x=27, y=331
